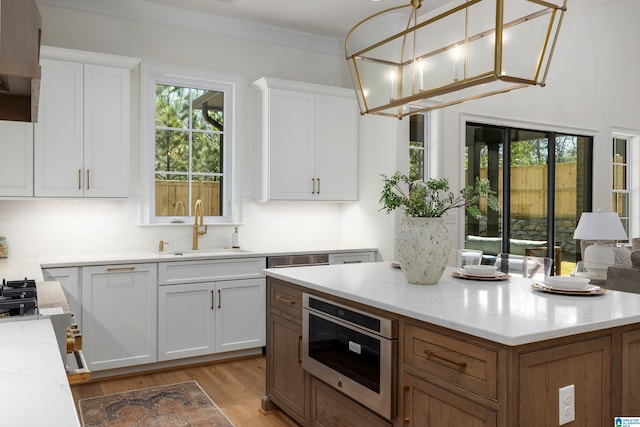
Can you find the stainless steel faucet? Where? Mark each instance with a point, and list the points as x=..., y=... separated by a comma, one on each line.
x=197, y=228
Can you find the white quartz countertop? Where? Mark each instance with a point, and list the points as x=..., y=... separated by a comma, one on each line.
x=14, y=268
x=508, y=312
x=33, y=380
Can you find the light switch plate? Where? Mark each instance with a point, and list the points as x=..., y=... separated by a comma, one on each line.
x=566, y=404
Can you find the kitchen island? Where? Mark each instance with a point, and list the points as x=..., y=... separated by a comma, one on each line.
x=472, y=352
x=33, y=380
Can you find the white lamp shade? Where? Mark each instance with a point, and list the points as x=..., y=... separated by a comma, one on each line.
x=600, y=226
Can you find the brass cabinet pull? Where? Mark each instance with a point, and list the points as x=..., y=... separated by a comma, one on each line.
x=212, y=303
x=286, y=300
x=88, y=179
x=337, y=421
x=300, y=349
x=405, y=420
x=355, y=261
x=432, y=355
x=112, y=269
x=313, y=186
x=318, y=186
x=219, y=298
x=79, y=179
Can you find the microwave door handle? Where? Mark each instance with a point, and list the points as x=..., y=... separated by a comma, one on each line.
x=300, y=349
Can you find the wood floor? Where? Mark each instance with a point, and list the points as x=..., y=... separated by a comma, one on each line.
x=235, y=386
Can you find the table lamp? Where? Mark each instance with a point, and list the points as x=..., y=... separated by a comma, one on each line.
x=599, y=226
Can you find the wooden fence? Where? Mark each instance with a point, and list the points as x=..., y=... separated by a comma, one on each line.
x=172, y=197
x=529, y=190
x=528, y=193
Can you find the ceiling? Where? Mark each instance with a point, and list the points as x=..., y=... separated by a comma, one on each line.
x=330, y=18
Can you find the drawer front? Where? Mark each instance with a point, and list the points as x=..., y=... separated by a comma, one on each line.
x=467, y=365
x=331, y=408
x=285, y=299
x=352, y=258
x=173, y=273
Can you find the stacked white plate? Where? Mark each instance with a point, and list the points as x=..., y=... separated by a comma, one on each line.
x=567, y=283
x=480, y=270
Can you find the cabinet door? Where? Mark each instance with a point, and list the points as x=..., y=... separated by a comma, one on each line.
x=16, y=161
x=291, y=145
x=286, y=380
x=106, y=131
x=240, y=314
x=427, y=405
x=331, y=408
x=58, y=135
x=119, y=306
x=586, y=365
x=186, y=320
x=336, y=148
x=630, y=373
x=70, y=281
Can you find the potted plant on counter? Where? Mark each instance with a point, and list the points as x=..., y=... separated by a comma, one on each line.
x=423, y=241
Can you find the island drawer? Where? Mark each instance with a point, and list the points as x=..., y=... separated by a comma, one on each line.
x=285, y=299
x=332, y=408
x=463, y=363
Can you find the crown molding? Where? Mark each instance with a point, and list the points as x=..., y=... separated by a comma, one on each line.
x=144, y=11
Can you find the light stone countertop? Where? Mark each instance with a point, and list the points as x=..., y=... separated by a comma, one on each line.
x=13, y=268
x=508, y=312
x=33, y=380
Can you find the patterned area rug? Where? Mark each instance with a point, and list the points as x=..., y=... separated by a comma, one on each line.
x=175, y=405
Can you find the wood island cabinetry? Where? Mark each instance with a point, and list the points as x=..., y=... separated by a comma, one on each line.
x=447, y=377
x=287, y=382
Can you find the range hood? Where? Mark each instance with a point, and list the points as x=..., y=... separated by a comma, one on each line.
x=20, y=30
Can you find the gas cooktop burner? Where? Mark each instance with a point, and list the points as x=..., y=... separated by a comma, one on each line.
x=18, y=297
x=26, y=283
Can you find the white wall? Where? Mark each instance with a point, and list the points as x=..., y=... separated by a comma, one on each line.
x=592, y=86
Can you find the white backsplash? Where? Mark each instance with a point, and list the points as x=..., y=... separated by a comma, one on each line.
x=67, y=227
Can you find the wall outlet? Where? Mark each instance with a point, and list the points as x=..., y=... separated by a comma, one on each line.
x=566, y=404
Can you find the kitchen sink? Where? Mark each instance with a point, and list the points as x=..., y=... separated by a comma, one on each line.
x=203, y=252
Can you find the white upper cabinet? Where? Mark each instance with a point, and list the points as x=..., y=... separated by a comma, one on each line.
x=82, y=138
x=309, y=142
x=16, y=159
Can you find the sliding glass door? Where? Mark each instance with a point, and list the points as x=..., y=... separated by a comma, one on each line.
x=543, y=180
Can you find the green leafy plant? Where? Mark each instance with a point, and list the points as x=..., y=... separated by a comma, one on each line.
x=432, y=198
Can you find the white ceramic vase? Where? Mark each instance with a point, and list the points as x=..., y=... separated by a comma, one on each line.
x=423, y=249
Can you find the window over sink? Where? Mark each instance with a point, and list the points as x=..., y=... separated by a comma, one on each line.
x=190, y=142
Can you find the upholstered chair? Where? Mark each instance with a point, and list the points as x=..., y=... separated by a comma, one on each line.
x=626, y=279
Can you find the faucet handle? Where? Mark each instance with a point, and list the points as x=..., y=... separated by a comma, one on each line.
x=161, y=245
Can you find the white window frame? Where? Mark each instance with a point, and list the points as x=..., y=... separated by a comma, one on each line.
x=426, y=148
x=233, y=86
x=633, y=175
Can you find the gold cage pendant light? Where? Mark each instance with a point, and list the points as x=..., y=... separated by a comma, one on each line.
x=403, y=63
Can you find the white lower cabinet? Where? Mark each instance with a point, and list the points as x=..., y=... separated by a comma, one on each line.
x=240, y=314
x=207, y=307
x=197, y=319
x=186, y=320
x=69, y=279
x=119, y=322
